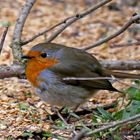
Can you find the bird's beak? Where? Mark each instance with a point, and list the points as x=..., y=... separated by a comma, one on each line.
x=26, y=57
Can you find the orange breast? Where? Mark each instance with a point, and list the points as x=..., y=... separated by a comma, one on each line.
x=35, y=66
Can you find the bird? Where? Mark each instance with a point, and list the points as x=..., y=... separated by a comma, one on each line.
x=49, y=63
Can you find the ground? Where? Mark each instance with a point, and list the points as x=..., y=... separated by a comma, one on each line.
x=21, y=109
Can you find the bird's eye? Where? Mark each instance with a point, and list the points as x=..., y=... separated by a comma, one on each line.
x=44, y=55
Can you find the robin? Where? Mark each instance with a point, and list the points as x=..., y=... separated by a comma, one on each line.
x=49, y=63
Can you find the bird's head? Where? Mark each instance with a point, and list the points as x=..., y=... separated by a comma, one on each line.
x=39, y=57
x=42, y=53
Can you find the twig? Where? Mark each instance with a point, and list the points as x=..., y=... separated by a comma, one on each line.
x=77, y=17
x=85, y=133
x=124, y=45
x=126, y=84
x=45, y=31
x=3, y=38
x=16, y=46
x=133, y=19
x=103, y=124
x=100, y=78
x=87, y=78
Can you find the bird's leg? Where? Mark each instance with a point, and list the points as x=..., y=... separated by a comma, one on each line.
x=55, y=110
x=71, y=127
x=71, y=113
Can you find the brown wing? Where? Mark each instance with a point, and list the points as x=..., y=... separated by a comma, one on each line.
x=77, y=63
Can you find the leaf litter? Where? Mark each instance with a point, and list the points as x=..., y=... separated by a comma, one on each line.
x=21, y=110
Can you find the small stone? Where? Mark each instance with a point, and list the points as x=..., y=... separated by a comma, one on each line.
x=3, y=126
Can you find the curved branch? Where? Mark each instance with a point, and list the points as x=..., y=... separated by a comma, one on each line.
x=133, y=19
x=45, y=31
x=68, y=21
x=77, y=17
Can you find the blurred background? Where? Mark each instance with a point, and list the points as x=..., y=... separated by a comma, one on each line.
x=20, y=108
x=87, y=31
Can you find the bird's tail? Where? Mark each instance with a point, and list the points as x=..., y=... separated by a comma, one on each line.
x=120, y=74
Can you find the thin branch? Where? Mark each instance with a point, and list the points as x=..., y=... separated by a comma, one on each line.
x=85, y=133
x=90, y=125
x=45, y=31
x=126, y=84
x=3, y=37
x=16, y=46
x=125, y=45
x=77, y=17
x=87, y=78
x=114, y=79
x=133, y=19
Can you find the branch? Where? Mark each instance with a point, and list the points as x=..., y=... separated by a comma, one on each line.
x=85, y=133
x=133, y=19
x=16, y=46
x=121, y=65
x=77, y=17
x=10, y=71
x=3, y=37
x=45, y=31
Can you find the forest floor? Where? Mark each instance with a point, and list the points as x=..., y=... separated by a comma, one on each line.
x=22, y=113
